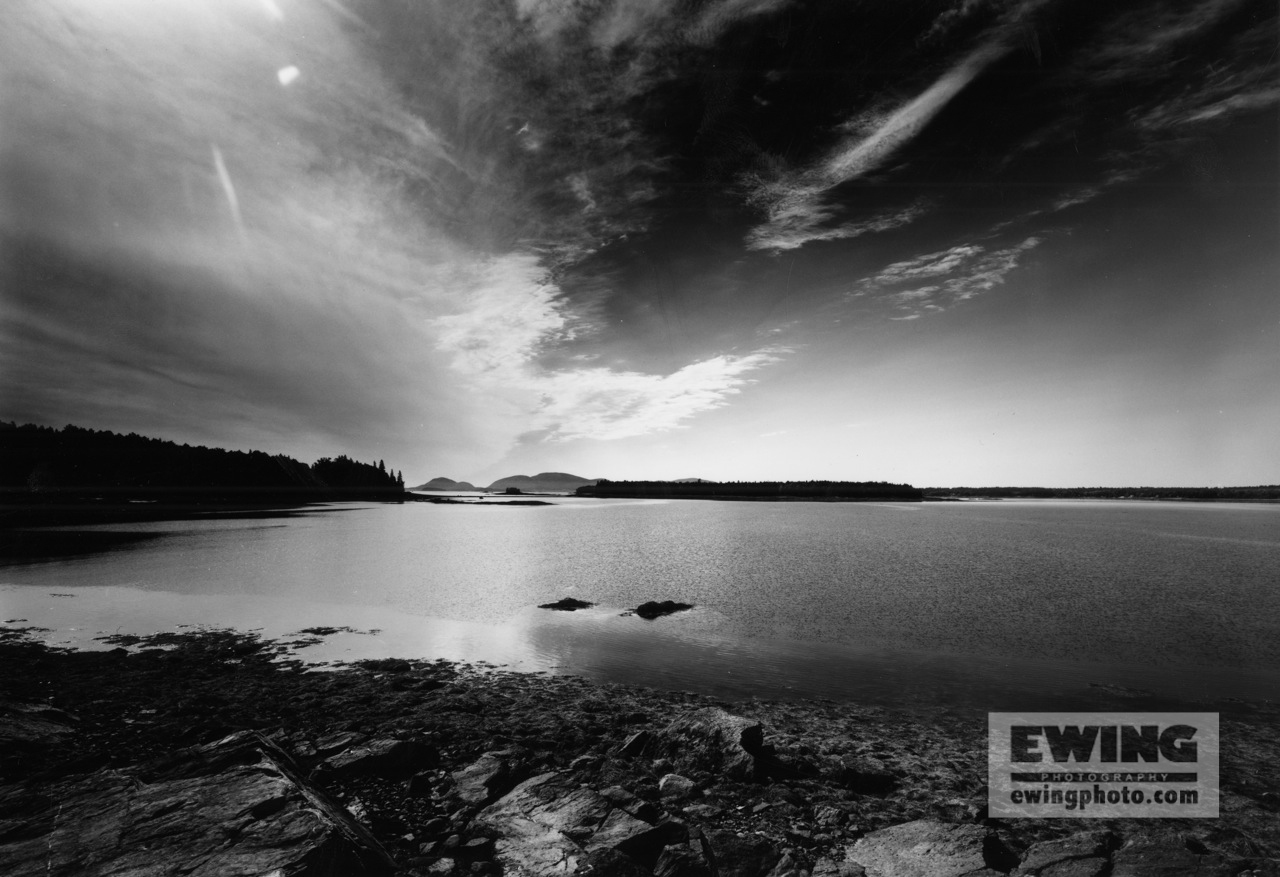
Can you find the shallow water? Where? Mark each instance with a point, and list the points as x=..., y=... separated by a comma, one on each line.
x=952, y=602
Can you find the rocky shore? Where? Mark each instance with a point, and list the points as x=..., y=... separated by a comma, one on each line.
x=219, y=753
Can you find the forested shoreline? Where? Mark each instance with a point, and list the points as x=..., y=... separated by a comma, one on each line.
x=779, y=490
x=75, y=474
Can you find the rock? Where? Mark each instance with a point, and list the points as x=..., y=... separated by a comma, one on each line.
x=683, y=860
x=331, y=744
x=237, y=806
x=787, y=867
x=391, y=759
x=441, y=866
x=635, y=744
x=865, y=777
x=826, y=867
x=436, y=827
x=1166, y=855
x=1085, y=853
x=652, y=609
x=567, y=604
x=703, y=811
x=749, y=856
x=714, y=740
x=484, y=779
x=29, y=732
x=549, y=823
x=611, y=863
x=674, y=787
x=926, y=848
x=477, y=848
x=584, y=762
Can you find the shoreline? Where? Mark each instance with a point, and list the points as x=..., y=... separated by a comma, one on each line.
x=840, y=771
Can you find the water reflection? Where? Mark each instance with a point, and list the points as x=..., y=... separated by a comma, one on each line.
x=672, y=653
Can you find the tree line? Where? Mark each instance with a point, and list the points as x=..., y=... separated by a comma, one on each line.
x=834, y=490
x=43, y=464
x=1202, y=494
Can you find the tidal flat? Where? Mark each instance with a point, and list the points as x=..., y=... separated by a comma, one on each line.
x=220, y=752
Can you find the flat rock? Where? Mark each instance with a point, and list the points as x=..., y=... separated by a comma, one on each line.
x=392, y=759
x=549, y=824
x=1084, y=853
x=233, y=808
x=714, y=740
x=1166, y=855
x=926, y=848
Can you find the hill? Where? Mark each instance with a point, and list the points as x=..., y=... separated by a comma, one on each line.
x=445, y=484
x=543, y=482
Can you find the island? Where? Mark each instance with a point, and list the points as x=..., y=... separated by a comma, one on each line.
x=813, y=491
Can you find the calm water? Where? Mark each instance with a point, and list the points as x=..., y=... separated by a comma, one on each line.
x=956, y=602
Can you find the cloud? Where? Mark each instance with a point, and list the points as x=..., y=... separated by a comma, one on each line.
x=796, y=201
x=954, y=275
x=513, y=312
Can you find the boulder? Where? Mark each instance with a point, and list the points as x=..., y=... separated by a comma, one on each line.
x=713, y=740
x=926, y=848
x=484, y=779
x=674, y=788
x=235, y=807
x=550, y=824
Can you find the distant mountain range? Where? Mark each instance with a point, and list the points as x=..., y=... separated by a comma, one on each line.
x=543, y=482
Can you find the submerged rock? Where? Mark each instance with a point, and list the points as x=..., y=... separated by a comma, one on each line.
x=652, y=609
x=567, y=604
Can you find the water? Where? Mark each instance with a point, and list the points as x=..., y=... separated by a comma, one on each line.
x=1011, y=604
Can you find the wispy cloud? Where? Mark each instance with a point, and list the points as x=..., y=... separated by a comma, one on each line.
x=512, y=313
x=795, y=201
x=950, y=276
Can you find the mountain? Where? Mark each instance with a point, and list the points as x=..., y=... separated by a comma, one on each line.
x=543, y=482
x=445, y=484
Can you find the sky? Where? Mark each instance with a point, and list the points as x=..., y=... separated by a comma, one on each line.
x=939, y=242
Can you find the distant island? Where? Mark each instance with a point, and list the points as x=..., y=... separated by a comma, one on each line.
x=543, y=482
x=1261, y=493
x=829, y=491
x=445, y=484
x=77, y=475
